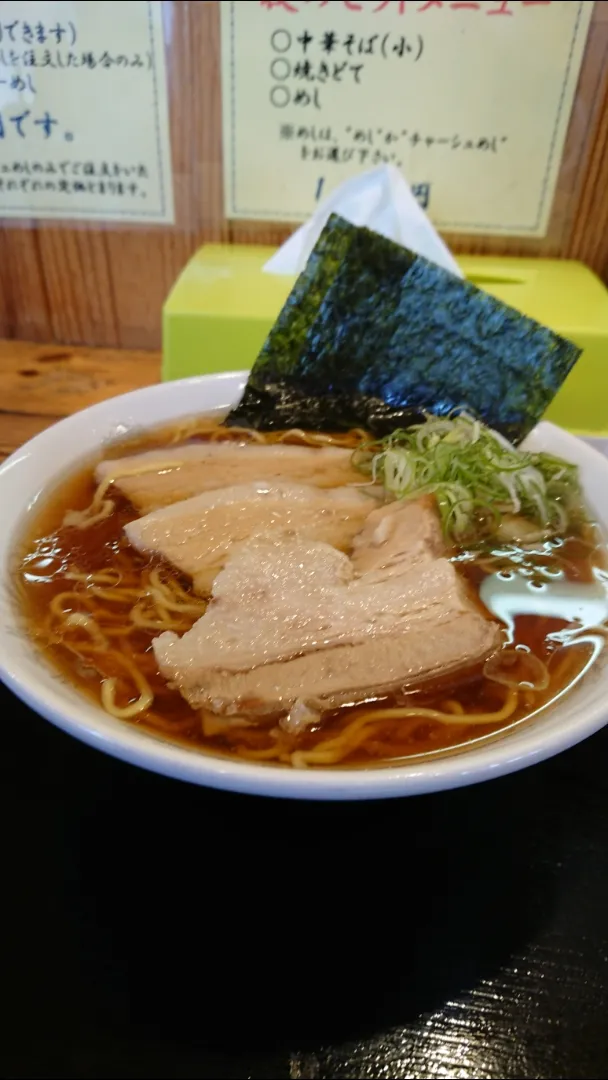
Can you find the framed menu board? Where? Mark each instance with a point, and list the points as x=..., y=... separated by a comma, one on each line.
x=471, y=100
x=84, y=125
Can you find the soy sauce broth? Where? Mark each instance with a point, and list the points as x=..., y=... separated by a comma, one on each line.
x=566, y=579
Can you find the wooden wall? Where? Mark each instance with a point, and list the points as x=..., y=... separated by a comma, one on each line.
x=105, y=286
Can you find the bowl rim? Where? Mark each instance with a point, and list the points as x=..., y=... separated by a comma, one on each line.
x=85, y=720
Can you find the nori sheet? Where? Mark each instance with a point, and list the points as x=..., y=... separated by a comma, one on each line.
x=373, y=335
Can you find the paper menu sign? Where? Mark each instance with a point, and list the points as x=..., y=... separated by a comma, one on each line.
x=471, y=100
x=84, y=127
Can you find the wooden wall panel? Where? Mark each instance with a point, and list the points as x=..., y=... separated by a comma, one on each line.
x=88, y=285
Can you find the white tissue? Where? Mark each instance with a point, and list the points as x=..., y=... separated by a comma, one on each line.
x=380, y=199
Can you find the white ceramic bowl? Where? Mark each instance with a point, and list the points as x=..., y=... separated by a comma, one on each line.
x=32, y=473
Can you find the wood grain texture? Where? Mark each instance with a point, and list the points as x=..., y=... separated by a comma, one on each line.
x=40, y=384
x=16, y=429
x=87, y=285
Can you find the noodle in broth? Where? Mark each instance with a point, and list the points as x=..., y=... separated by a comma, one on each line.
x=94, y=605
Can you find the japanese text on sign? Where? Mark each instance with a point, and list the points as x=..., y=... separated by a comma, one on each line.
x=403, y=7
x=84, y=129
x=315, y=91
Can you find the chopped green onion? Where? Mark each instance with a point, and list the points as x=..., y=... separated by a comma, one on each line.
x=476, y=476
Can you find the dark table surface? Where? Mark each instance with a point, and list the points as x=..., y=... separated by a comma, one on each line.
x=152, y=929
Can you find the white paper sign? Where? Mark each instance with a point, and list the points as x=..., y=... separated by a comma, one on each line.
x=471, y=100
x=84, y=128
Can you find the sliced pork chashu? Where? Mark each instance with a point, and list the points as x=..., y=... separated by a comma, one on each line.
x=196, y=535
x=397, y=534
x=159, y=478
x=292, y=620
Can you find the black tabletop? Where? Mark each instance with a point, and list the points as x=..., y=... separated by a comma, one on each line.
x=153, y=929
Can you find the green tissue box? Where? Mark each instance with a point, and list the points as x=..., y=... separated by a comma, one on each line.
x=222, y=306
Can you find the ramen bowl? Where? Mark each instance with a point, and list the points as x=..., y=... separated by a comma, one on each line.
x=29, y=477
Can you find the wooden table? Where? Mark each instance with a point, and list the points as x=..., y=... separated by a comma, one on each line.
x=40, y=384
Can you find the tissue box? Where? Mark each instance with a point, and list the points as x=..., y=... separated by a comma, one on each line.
x=222, y=306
